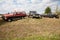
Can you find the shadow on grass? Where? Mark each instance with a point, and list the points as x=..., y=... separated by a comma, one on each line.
x=2, y=22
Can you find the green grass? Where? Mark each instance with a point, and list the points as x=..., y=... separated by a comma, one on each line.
x=43, y=38
x=37, y=37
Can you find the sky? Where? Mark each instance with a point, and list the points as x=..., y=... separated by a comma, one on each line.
x=27, y=5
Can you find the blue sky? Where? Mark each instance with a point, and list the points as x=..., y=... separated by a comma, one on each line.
x=27, y=5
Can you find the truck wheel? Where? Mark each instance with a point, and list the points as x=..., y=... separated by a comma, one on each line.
x=57, y=17
x=3, y=18
x=9, y=20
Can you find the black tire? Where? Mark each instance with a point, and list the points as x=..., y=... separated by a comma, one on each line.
x=23, y=17
x=57, y=17
x=20, y=17
x=9, y=20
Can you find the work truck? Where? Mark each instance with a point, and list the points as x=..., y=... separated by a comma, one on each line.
x=50, y=15
x=34, y=14
x=14, y=15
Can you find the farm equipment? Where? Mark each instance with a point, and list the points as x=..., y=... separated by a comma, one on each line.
x=33, y=14
x=15, y=15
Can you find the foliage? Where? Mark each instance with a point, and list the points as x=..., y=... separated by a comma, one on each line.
x=48, y=10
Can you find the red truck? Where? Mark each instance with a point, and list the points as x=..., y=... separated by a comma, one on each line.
x=15, y=15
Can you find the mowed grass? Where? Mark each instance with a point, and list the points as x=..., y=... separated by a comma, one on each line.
x=30, y=29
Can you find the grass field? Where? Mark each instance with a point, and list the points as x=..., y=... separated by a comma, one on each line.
x=30, y=29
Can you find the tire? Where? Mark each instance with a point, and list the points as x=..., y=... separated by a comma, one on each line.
x=57, y=17
x=3, y=18
x=9, y=20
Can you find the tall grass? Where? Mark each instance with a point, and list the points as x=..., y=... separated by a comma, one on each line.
x=30, y=29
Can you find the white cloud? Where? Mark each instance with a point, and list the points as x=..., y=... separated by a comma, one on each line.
x=36, y=1
x=46, y=1
x=26, y=5
x=1, y=1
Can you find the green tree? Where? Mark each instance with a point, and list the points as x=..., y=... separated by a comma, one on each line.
x=48, y=10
